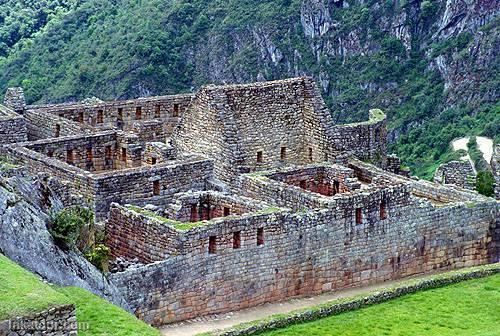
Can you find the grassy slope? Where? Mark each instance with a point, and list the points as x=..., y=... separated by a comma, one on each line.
x=103, y=317
x=22, y=293
x=468, y=308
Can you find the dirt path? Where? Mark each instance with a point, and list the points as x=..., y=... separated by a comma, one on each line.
x=222, y=321
x=485, y=145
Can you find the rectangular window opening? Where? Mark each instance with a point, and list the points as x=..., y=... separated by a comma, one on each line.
x=237, y=240
x=156, y=188
x=383, y=210
x=120, y=114
x=153, y=160
x=70, y=156
x=157, y=111
x=138, y=113
x=212, y=247
x=58, y=131
x=359, y=216
x=194, y=213
x=90, y=155
x=227, y=211
x=175, y=113
x=283, y=153
x=80, y=117
x=310, y=154
x=260, y=236
x=100, y=116
x=260, y=157
x=124, y=155
x=108, y=153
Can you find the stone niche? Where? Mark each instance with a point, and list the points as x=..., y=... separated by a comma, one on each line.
x=207, y=205
x=323, y=180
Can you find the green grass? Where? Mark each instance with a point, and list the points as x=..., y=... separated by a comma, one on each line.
x=104, y=318
x=468, y=308
x=22, y=293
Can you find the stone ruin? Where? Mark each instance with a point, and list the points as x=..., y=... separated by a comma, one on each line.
x=460, y=173
x=239, y=195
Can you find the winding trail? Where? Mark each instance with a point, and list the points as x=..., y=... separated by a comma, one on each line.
x=223, y=321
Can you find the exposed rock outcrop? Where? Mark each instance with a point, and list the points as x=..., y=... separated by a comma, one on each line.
x=24, y=238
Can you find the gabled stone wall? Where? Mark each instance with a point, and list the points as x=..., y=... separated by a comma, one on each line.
x=12, y=127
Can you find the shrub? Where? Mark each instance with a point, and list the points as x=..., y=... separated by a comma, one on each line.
x=98, y=256
x=66, y=226
x=484, y=183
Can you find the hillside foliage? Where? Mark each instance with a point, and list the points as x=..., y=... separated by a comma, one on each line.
x=119, y=49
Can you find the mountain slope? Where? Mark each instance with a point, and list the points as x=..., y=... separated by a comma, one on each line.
x=432, y=64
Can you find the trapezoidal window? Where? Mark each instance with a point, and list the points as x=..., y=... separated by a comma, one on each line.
x=260, y=236
x=157, y=111
x=237, y=240
x=283, y=153
x=260, y=157
x=227, y=211
x=57, y=133
x=175, y=112
x=80, y=117
x=120, y=114
x=138, y=113
x=153, y=160
x=100, y=116
x=359, y=216
x=310, y=154
x=156, y=188
x=212, y=244
x=383, y=210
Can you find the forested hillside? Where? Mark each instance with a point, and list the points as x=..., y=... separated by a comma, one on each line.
x=432, y=65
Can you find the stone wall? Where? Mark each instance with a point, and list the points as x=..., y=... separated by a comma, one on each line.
x=14, y=99
x=12, y=127
x=122, y=114
x=52, y=322
x=460, y=173
x=257, y=126
x=132, y=233
x=307, y=253
x=42, y=125
x=150, y=184
x=495, y=166
x=366, y=140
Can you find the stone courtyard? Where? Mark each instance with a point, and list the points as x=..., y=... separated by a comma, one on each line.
x=238, y=195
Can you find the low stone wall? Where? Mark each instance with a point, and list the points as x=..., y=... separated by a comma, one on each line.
x=52, y=322
x=341, y=306
x=460, y=173
x=495, y=166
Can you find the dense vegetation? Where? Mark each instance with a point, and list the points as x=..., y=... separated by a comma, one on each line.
x=467, y=308
x=125, y=48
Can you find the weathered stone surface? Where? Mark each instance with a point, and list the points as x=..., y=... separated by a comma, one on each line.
x=460, y=173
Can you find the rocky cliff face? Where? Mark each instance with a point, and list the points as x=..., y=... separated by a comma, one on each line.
x=25, y=239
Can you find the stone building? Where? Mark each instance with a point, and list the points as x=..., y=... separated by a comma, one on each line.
x=243, y=194
x=460, y=173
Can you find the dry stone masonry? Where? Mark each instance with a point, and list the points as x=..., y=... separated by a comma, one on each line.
x=238, y=195
x=460, y=173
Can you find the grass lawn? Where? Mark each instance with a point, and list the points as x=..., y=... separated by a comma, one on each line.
x=104, y=318
x=22, y=293
x=470, y=308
